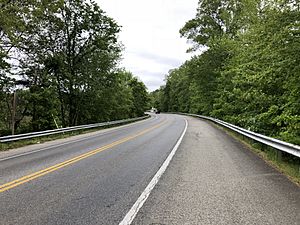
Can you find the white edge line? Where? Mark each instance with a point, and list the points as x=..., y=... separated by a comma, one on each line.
x=71, y=142
x=129, y=217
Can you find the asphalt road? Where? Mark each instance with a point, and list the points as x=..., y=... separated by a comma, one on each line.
x=214, y=179
x=96, y=178
x=98, y=189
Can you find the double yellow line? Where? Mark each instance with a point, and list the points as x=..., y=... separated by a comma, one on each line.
x=50, y=169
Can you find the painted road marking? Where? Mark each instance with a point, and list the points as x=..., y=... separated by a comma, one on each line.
x=109, y=131
x=127, y=220
x=50, y=169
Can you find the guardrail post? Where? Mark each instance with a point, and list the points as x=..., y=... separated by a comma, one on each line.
x=279, y=155
x=13, y=118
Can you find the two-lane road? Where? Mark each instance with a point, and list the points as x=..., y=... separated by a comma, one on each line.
x=104, y=177
x=90, y=180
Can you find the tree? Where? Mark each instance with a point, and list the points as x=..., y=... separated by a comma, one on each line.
x=70, y=45
x=249, y=73
x=214, y=20
x=140, y=97
x=68, y=53
x=262, y=74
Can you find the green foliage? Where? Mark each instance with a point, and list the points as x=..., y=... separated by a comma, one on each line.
x=78, y=47
x=67, y=52
x=139, y=96
x=250, y=74
x=216, y=19
x=262, y=73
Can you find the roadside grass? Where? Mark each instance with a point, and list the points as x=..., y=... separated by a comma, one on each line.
x=283, y=162
x=39, y=140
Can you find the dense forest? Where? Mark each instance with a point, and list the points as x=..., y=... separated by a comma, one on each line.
x=248, y=72
x=59, y=67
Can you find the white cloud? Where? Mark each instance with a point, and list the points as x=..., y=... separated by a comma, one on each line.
x=150, y=34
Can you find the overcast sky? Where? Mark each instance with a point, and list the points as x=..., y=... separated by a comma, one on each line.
x=150, y=34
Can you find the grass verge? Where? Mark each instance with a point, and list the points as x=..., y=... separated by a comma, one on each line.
x=38, y=140
x=283, y=162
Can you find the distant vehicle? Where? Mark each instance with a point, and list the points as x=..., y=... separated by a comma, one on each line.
x=155, y=110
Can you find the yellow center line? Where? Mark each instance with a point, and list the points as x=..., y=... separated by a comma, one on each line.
x=50, y=169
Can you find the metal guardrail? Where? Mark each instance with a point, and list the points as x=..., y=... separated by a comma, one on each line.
x=275, y=143
x=18, y=137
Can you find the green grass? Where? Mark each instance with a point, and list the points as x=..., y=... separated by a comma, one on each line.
x=38, y=140
x=283, y=162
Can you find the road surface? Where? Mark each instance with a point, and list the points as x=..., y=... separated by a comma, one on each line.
x=96, y=178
